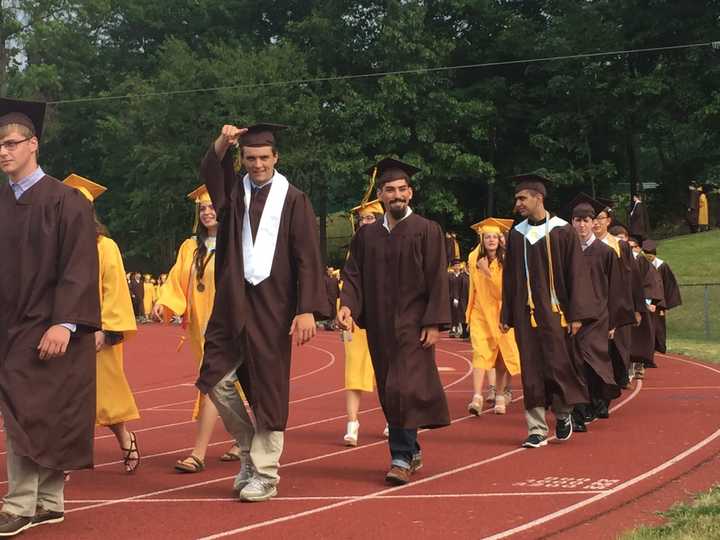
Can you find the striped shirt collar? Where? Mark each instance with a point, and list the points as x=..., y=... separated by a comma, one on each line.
x=22, y=185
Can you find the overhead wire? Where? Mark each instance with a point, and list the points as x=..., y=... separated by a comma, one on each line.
x=418, y=71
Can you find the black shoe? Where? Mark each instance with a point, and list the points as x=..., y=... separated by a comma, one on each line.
x=46, y=517
x=578, y=423
x=564, y=428
x=10, y=524
x=650, y=364
x=535, y=441
x=588, y=413
x=602, y=409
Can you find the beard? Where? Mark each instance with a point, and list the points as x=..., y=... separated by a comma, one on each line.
x=397, y=212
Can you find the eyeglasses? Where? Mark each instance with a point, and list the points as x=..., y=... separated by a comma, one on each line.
x=10, y=146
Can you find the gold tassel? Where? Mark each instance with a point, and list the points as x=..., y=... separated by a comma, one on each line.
x=533, y=322
x=563, y=322
x=368, y=193
x=197, y=218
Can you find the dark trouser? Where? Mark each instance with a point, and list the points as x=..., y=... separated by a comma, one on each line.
x=403, y=446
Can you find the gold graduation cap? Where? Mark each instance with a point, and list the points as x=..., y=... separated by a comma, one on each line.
x=90, y=189
x=372, y=207
x=199, y=196
x=493, y=225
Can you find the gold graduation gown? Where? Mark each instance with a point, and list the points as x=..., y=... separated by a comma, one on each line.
x=703, y=210
x=359, y=373
x=115, y=401
x=483, y=316
x=180, y=295
x=149, y=298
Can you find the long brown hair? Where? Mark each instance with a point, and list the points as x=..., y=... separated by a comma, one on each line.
x=100, y=228
x=499, y=253
x=200, y=252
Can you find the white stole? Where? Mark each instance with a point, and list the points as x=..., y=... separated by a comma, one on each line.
x=258, y=256
x=533, y=233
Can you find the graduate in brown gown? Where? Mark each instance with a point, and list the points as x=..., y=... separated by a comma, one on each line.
x=693, y=206
x=547, y=297
x=638, y=218
x=629, y=302
x=137, y=295
x=671, y=293
x=643, y=335
x=592, y=340
x=50, y=311
x=459, y=285
x=332, y=290
x=395, y=286
x=269, y=283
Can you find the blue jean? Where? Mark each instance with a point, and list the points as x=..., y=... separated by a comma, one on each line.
x=403, y=446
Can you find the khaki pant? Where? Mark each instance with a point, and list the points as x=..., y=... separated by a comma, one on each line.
x=31, y=485
x=263, y=447
x=537, y=425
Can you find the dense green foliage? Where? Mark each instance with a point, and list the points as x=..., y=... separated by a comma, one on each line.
x=600, y=123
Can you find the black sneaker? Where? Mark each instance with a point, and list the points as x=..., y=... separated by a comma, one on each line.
x=535, y=441
x=602, y=409
x=578, y=423
x=564, y=428
x=46, y=517
x=10, y=524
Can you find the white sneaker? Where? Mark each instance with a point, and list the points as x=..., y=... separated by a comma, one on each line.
x=259, y=489
x=247, y=471
x=351, y=437
x=386, y=431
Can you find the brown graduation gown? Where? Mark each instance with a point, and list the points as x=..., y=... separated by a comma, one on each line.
x=671, y=292
x=548, y=368
x=395, y=283
x=49, y=276
x=693, y=208
x=459, y=289
x=592, y=339
x=332, y=290
x=253, y=321
x=627, y=301
x=638, y=220
x=643, y=336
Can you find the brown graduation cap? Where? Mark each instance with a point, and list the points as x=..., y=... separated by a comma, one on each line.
x=584, y=205
x=534, y=180
x=389, y=169
x=261, y=134
x=30, y=114
x=649, y=246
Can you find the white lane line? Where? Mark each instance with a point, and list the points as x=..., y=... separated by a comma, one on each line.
x=619, y=487
x=348, y=497
x=307, y=460
x=295, y=378
x=162, y=388
x=682, y=387
x=376, y=494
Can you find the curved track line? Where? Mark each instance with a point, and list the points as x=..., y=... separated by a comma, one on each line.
x=386, y=491
x=619, y=487
x=315, y=458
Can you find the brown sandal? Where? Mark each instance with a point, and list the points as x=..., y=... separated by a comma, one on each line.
x=131, y=463
x=230, y=455
x=191, y=464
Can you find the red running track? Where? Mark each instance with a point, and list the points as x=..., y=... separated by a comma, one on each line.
x=663, y=434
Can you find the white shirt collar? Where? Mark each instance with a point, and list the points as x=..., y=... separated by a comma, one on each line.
x=588, y=243
x=385, y=218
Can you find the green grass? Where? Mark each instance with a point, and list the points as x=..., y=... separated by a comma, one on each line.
x=695, y=259
x=699, y=520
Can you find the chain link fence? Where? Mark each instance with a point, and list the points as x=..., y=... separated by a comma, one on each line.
x=694, y=327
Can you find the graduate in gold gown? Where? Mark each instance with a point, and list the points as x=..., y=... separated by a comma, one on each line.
x=115, y=404
x=359, y=374
x=190, y=292
x=491, y=348
x=149, y=298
